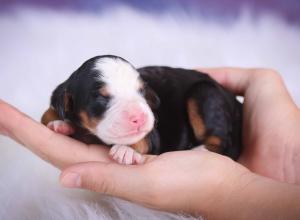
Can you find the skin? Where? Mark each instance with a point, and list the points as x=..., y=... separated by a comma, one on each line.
x=196, y=182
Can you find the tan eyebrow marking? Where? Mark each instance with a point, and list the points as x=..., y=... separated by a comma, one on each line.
x=104, y=91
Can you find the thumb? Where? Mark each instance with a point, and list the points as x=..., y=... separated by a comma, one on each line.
x=126, y=182
x=235, y=79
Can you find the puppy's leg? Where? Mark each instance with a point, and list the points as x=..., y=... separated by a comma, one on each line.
x=126, y=155
x=211, y=119
x=61, y=127
x=51, y=119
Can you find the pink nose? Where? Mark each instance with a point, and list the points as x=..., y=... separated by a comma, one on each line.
x=137, y=120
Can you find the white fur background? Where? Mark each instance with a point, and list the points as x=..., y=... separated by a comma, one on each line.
x=40, y=48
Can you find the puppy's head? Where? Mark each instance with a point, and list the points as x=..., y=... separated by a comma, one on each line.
x=107, y=96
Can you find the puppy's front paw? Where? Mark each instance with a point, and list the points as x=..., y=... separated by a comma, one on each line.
x=126, y=155
x=61, y=127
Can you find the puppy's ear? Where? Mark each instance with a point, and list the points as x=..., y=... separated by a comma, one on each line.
x=62, y=101
x=151, y=98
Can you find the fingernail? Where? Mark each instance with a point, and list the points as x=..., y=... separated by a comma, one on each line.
x=71, y=180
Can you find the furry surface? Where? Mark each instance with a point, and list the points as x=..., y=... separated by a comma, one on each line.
x=40, y=48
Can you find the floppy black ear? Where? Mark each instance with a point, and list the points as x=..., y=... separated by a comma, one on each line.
x=62, y=102
x=151, y=98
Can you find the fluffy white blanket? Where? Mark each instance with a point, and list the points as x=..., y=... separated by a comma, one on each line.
x=39, y=48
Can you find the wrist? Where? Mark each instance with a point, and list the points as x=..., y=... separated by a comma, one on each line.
x=250, y=196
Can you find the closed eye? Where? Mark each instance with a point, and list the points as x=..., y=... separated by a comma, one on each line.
x=99, y=95
x=103, y=99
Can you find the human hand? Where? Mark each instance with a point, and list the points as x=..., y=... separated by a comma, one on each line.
x=211, y=184
x=271, y=123
x=57, y=149
x=48, y=145
x=123, y=154
x=140, y=183
x=195, y=181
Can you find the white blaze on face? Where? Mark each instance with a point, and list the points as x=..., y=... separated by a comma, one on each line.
x=128, y=118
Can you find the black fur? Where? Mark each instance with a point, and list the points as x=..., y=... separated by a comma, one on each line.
x=82, y=92
x=166, y=91
x=221, y=112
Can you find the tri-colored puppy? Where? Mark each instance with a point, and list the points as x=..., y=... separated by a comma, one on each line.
x=148, y=110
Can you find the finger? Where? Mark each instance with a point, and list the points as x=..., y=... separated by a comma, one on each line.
x=59, y=150
x=9, y=117
x=127, y=182
x=235, y=79
x=267, y=81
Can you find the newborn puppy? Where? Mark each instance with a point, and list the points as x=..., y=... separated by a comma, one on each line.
x=147, y=110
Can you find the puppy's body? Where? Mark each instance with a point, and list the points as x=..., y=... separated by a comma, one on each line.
x=106, y=99
x=194, y=110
